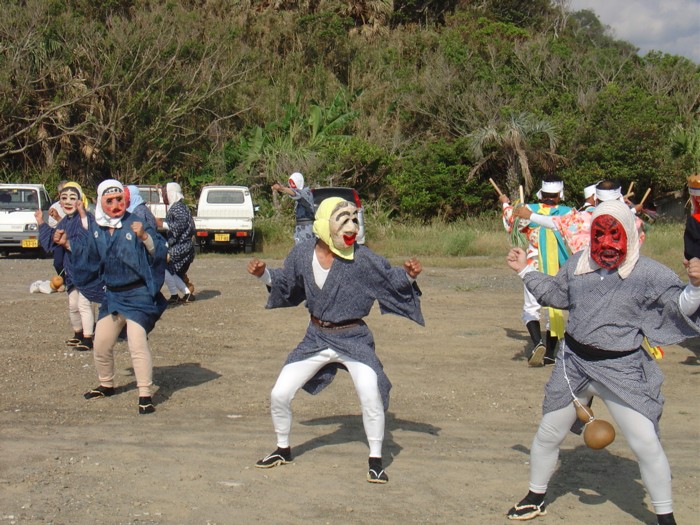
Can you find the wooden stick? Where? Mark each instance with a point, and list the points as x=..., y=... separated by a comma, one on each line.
x=522, y=195
x=495, y=187
x=645, y=196
x=629, y=191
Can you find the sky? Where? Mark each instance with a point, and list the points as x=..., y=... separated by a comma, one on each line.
x=671, y=26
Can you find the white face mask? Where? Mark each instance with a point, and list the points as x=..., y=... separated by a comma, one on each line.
x=68, y=200
x=344, y=226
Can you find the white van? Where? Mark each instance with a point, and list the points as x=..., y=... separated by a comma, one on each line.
x=224, y=218
x=19, y=231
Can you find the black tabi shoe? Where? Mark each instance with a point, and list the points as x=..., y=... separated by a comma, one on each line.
x=84, y=345
x=528, y=508
x=189, y=298
x=100, y=391
x=536, y=359
x=76, y=339
x=281, y=456
x=146, y=405
x=376, y=473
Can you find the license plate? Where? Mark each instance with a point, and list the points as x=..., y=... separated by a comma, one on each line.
x=222, y=237
x=30, y=243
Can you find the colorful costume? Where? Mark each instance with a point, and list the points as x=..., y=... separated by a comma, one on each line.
x=546, y=251
x=691, y=236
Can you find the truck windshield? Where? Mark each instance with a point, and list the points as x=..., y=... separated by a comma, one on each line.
x=225, y=197
x=12, y=199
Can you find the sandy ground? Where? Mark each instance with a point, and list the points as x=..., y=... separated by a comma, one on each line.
x=464, y=409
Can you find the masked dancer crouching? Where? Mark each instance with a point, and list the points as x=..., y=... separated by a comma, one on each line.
x=615, y=297
x=339, y=281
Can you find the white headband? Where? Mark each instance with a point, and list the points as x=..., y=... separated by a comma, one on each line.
x=608, y=195
x=552, y=187
x=589, y=191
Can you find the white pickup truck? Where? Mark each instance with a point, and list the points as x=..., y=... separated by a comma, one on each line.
x=225, y=219
x=19, y=231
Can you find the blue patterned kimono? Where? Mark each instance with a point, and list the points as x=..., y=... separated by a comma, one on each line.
x=349, y=292
x=132, y=277
x=92, y=289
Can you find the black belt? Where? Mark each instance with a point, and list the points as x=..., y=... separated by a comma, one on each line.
x=305, y=221
x=591, y=353
x=126, y=287
x=335, y=326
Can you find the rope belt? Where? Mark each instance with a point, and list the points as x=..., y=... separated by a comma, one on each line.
x=335, y=326
x=591, y=353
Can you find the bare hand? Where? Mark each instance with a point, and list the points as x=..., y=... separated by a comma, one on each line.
x=39, y=216
x=277, y=187
x=60, y=237
x=522, y=212
x=53, y=213
x=517, y=259
x=80, y=207
x=256, y=267
x=413, y=267
x=137, y=228
x=503, y=199
x=693, y=268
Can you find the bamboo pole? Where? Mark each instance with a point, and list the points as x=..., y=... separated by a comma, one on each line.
x=495, y=187
x=522, y=195
x=629, y=191
x=645, y=196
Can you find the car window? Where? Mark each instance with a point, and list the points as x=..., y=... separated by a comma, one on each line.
x=225, y=197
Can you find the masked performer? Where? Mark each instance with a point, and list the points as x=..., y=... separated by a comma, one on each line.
x=615, y=297
x=130, y=259
x=339, y=281
x=303, y=207
x=74, y=223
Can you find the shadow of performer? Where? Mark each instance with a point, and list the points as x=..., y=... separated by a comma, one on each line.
x=596, y=477
x=185, y=375
x=350, y=429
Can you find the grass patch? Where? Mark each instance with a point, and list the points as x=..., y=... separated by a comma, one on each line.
x=468, y=243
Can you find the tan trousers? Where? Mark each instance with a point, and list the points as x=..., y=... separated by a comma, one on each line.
x=106, y=335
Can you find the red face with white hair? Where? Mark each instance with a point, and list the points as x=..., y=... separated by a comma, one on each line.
x=113, y=202
x=608, y=242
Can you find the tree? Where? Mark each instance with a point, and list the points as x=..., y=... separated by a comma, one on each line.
x=517, y=141
x=685, y=142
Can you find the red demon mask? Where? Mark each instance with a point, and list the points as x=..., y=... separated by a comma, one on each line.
x=608, y=242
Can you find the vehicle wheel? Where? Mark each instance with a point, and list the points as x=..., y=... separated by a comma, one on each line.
x=197, y=249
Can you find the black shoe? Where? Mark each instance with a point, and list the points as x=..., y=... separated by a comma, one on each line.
x=100, y=391
x=281, y=456
x=665, y=519
x=174, y=301
x=376, y=473
x=528, y=508
x=188, y=298
x=537, y=357
x=84, y=345
x=146, y=405
x=377, y=477
x=76, y=339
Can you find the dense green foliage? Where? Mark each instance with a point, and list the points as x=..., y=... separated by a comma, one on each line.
x=416, y=103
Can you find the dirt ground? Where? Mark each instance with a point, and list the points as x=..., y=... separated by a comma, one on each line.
x=463, y=412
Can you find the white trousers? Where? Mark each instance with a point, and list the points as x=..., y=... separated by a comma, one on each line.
x=637, y=429
x=294, y=375
x=175, y=284
x=81, y=313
